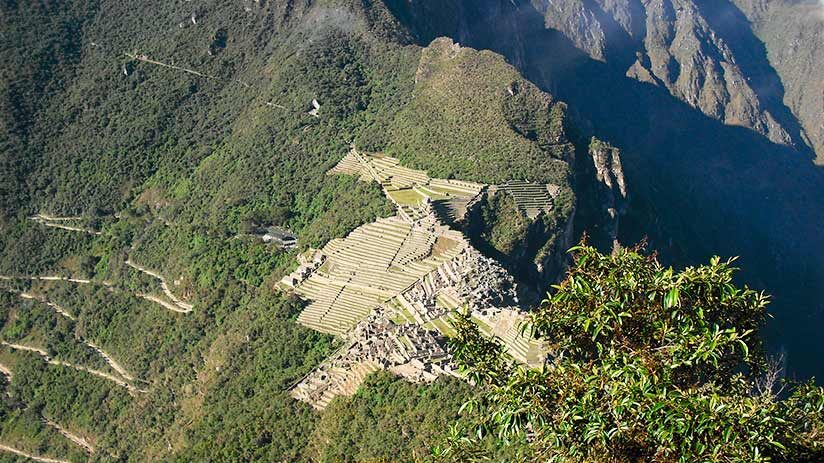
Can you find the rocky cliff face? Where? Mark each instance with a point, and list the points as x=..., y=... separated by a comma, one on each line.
x=793, y=33
x=611, y=190
x=698, y=50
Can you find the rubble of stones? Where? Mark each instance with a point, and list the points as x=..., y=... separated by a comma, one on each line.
x=486, y=285
x=379, y=342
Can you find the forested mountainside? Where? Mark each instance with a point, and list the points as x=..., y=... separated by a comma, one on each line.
x=143, y=144
x=713, y=155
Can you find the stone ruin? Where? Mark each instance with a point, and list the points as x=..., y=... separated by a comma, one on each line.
x=411, y=350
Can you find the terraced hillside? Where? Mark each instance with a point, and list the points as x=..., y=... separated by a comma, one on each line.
x=531, y=198
x=367, y=268
x=379, y=260
x=408, y=189
x=391, y=287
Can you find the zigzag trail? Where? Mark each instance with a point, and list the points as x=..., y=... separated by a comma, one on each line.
x=112, y=363
x=179, y=306
x=42, y=353
x=48, y=221
x=42, y=459
x=176, y=305
x=80, y=441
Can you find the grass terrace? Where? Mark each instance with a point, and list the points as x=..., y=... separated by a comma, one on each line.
x=408, y=197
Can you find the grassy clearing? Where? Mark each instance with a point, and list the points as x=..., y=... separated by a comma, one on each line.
x=406, y=197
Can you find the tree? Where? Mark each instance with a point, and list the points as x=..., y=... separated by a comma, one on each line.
x=645, y=364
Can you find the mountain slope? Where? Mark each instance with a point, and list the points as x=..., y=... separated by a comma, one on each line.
x=701, y=51
x=793, y=33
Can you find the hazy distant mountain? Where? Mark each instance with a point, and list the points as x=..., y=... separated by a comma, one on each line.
x=793, y=32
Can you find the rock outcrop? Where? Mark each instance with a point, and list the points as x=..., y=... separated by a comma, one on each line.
x=611, y=190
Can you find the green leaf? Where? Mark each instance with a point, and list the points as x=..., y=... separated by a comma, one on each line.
x=745, y=348
x=672, y=298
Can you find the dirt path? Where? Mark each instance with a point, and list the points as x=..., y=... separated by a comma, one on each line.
x=164, y=303
x=47, y=221
x=36, y=350
x=108, y=358
x=98, y=373
x=80, y=441
x=54, y=306
x=101, y=374
x=52, y=218
x=43, y=459
x=111, y=361
x=146, y=59
x=176, y=305
x=81, y=281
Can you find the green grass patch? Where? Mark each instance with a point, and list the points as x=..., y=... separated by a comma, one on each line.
x=406, y=197
x=444, y=327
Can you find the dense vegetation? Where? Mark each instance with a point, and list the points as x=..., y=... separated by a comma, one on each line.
x=176, y=168
x=388, y=414
x=532, y=249
x=506, y=226
x=647, y=364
